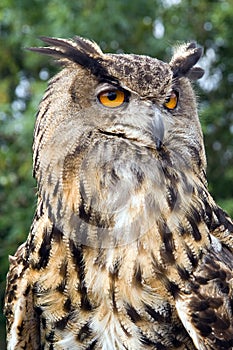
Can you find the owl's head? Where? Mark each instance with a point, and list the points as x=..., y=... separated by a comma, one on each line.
x=139, y=98
x=115, y=112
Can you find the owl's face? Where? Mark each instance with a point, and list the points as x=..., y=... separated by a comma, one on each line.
x=109, y=128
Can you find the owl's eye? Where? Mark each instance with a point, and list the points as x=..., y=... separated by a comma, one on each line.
x=112, y=98
x=172, y=101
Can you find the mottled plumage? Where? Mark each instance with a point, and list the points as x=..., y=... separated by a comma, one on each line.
x=127, y=249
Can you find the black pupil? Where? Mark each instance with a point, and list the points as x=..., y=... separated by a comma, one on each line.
x=112, y=95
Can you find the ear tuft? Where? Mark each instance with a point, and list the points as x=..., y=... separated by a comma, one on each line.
x=68, y=48
x=183, y=60
x=81, y=51
x=195, y=73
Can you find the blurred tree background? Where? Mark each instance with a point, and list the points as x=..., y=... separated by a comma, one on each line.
x=144, y=27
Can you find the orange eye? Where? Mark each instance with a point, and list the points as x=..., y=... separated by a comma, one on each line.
x=172, y=101
x=112, y=98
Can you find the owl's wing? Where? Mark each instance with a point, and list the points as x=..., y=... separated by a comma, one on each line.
x=206, y=310
x=22, y=321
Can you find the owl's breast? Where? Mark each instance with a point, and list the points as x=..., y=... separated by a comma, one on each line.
x=126, y=189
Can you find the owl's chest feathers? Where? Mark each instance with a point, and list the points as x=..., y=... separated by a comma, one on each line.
x=115, y=281
x=122, y=294
x=112, y=296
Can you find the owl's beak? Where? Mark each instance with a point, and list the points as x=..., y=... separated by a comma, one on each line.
x=157, y=128
x=158, y=144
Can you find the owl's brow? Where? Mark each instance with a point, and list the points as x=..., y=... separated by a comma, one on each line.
x=110, y=80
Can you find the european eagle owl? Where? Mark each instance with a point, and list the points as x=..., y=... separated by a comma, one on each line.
x=127, y=249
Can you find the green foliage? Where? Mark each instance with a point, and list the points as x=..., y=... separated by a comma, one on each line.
x=146, y=27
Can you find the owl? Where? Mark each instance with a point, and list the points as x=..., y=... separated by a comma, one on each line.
x=127, y=249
